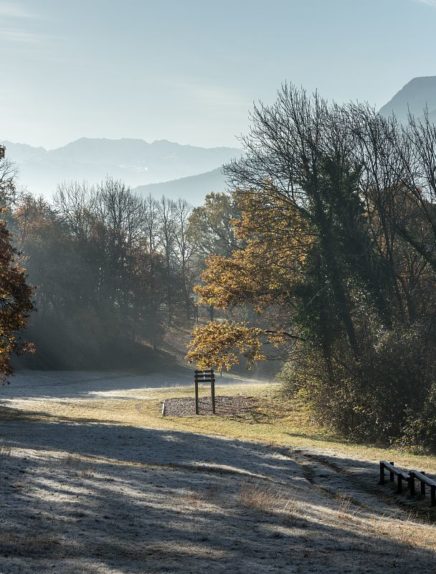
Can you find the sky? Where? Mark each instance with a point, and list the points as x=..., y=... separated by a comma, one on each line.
x=190, y=70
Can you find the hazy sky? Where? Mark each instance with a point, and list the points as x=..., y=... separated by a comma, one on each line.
x=189, y=70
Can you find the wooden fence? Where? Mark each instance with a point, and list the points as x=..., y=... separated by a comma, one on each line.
x=409, y=478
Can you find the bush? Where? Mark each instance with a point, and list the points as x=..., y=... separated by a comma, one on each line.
x=389, y=395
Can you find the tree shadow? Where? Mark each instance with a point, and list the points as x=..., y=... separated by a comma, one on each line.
x=93, y=497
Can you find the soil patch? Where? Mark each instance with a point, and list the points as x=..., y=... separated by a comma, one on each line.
x=224, y=406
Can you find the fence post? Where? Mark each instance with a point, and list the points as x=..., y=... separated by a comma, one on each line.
x=400, y=484
x=382, y=472
x=422, y=485
x=433, y=495
x=391, y=474
x=411, y=481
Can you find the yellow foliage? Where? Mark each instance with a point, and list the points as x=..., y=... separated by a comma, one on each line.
x=276, y=240
x=219, y=345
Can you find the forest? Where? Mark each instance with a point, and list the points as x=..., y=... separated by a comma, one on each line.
x=111, y=271
x=322, y=254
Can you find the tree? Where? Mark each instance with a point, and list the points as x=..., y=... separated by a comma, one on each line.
x=184, y=250
x=8, y=190
x=210, y=225
x=15, y=301
x=259, y=276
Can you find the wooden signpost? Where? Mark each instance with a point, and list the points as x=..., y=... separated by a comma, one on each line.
x=207, y=376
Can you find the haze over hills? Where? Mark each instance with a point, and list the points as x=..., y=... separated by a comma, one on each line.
x=192, y=188
x=163, y=167
x=415, y=96
x=134, y=161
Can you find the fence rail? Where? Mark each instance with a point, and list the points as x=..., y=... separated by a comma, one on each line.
x=409, y=477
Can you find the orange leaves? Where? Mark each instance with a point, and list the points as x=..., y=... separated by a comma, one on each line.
x=15, y=301
x=220, y=344
x=275, y=241
x=227, y=281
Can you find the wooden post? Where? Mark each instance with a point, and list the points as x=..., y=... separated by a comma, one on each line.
x=382, y=472
x=400, y=484
x=212, y=391
x=391, y=474
x=411, y=481
x=433, y=495
x=207, y=376
x=196, y=393
x=422, y=485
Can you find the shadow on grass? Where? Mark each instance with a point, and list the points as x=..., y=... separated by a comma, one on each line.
x=89, y=496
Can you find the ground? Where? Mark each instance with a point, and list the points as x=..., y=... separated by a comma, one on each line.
x=94, y=480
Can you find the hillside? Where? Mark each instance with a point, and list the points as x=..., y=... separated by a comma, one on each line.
x=193, y=188
x=134, y=161
x=415, y=96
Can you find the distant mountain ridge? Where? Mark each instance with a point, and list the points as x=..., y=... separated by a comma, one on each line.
x=163, y=167
x=135, y=161
x=415, y=96
x=193, y=188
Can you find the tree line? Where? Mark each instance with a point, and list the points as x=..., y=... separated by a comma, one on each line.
x=111, y=271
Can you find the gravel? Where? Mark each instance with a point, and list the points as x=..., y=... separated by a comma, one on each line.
x=224, y=406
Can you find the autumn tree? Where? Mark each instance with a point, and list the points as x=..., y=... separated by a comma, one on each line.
x=15, y=294
x=258, y=277
x=15, y=301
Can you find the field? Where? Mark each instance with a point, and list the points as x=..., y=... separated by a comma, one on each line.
x=93, y=479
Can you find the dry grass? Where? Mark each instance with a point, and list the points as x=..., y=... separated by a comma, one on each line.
x=346, y=510
x=5, y=450
x=408, y=531
x=293, y=513
x=273, y=421
x=266, y=499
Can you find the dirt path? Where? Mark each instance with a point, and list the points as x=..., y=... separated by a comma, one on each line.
x=89, y=384
x=100, y=498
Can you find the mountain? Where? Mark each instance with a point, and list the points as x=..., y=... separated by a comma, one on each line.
x=135, y=161
x=193, y=188
x=415, y=96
